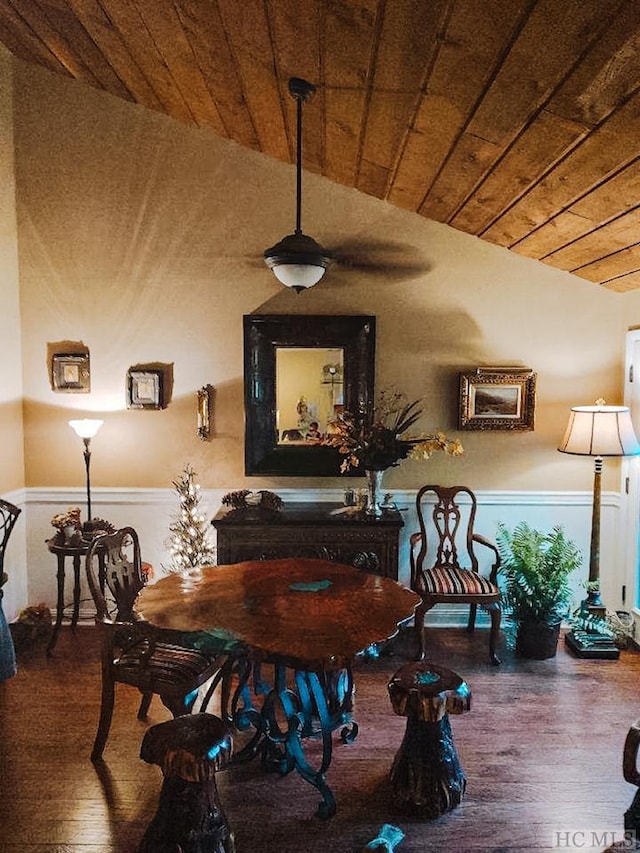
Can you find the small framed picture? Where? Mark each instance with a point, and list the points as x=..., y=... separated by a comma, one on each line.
x=144, y=389
x=70, y=372
x=493, y=398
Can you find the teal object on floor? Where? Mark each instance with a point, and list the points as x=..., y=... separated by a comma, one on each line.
x=387, y=840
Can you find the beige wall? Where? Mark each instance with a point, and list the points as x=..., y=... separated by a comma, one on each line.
x=143, y=239
x=631, y=309
x=11, y=436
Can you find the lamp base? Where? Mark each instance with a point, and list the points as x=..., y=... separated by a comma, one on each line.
x=595, y=605
x=592, y=644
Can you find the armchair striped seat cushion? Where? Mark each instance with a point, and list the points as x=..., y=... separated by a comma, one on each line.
x=448, y=580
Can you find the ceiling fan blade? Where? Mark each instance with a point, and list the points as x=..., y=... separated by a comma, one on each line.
x=395, y=261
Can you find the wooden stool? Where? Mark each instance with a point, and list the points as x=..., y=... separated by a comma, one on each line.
x=189, y=750
x=426, y=774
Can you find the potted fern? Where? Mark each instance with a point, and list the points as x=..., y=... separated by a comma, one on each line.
x=536, y=593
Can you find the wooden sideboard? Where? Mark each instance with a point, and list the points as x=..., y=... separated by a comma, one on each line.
x=315, y=530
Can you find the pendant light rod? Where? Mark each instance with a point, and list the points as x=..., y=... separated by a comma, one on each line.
x=299, y=166
x=300, y=90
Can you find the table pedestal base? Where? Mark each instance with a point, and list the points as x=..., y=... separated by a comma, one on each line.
x=426, y=774
x=286, y=710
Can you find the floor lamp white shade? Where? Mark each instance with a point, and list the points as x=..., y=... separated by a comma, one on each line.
x=86, y=427
x=598, y=431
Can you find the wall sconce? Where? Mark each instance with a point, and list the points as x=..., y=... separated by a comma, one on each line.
x=205, y=395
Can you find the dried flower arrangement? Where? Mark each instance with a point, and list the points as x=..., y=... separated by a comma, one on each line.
x=70, y=530
x=70, y=518
x=378, y=444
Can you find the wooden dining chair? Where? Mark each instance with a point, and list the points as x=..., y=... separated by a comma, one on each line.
x=8, y=517
x=444, y=565
x=132, y=652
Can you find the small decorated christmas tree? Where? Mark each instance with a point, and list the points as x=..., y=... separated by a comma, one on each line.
x=189, y=544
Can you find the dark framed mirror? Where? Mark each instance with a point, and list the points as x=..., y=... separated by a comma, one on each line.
x=300, y=372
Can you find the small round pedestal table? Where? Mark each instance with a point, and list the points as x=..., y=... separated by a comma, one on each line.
x=63, y=550
x=426, y=775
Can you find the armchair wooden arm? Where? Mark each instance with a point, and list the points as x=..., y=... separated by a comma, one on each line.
x=482, y=540
x=414, y=539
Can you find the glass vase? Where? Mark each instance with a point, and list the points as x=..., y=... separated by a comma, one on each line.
x=374, y=487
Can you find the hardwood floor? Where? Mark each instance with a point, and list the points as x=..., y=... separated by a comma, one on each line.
x=541, y=748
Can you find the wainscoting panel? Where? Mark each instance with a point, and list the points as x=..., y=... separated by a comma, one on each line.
x=150, y=511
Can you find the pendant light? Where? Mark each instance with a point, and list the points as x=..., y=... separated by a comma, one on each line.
x=298, y=261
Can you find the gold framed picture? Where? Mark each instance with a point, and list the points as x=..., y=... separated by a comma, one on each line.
x=497, y=398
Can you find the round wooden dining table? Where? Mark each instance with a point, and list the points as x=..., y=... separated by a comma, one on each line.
x=292, y=628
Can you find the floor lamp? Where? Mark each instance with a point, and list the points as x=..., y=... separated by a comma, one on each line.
x=86, y=429
x=597, y=431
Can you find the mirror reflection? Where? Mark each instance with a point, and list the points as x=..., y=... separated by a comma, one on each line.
x=309, y=393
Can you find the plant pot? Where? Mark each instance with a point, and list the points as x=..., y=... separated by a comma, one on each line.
x=537, y=640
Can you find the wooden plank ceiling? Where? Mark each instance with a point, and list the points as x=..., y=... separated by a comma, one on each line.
x=514, y=120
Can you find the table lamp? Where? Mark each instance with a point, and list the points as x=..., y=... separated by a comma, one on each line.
x=86, y=428
x=597, y=431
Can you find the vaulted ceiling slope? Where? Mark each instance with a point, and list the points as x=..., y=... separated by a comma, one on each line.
x=514, y=120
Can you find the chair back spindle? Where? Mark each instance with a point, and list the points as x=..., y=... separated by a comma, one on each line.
x=121, y=577
x=446, y=517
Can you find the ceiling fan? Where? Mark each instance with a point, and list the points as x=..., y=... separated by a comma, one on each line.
x=299, y=262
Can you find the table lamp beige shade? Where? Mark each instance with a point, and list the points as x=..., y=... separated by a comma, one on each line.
x=598, y=431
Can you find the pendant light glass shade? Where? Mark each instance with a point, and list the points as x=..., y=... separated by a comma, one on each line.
x=298, y=261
